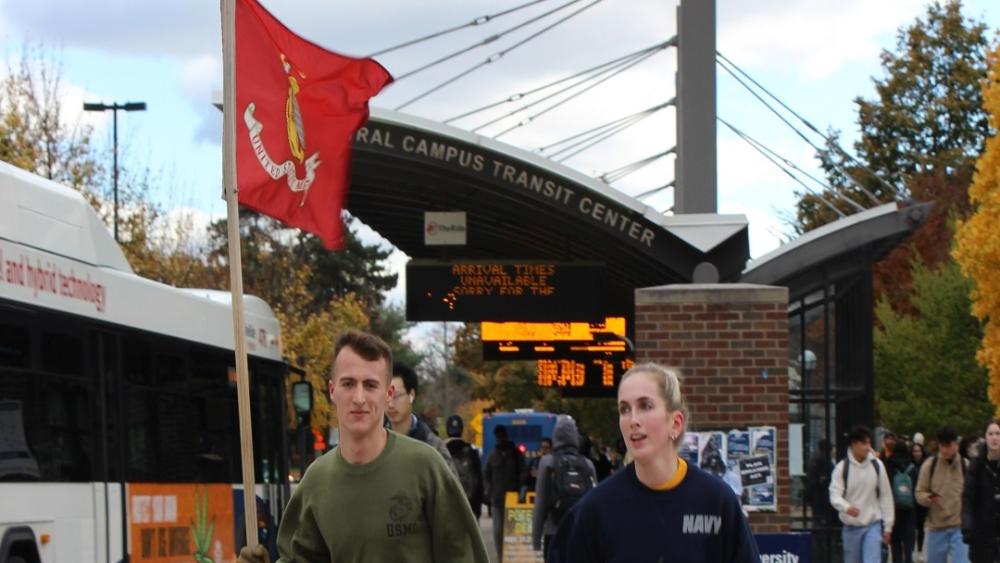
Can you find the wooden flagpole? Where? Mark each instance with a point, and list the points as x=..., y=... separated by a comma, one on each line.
x=236, y=264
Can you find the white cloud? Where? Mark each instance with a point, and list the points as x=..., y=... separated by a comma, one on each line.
x=200, y=75
x=814, y=38
x=175, y=28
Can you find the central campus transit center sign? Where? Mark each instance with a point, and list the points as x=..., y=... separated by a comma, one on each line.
x=531, y=180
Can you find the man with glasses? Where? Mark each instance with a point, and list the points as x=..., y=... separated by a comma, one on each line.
x=401, y=416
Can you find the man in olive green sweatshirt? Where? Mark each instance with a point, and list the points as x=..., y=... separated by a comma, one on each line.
x=379, y=496
x=939, y=487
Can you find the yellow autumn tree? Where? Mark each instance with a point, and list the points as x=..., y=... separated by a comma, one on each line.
x=977, y=247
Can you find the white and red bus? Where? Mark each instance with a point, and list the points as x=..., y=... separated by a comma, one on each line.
x=119, y=432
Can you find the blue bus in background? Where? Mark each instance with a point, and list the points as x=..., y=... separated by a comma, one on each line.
x=526, y=429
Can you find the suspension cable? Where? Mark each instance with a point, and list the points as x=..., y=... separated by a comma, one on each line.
x=601, y=128
x=477, y=21
x=583, y=80
x=520, y=95
x=609, y=69
x=500, y=54
x=531, y=118
x=857, y=206
x=619, y=173
x=594, y=140
x=829, y=140
x=486, y=41
x=646, y=194
x=857, y=184
x=757, y=146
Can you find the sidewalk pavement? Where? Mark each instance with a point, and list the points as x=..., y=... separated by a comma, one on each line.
x=486, y=527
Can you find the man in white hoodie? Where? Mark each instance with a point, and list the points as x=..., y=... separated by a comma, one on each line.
x=861, y=494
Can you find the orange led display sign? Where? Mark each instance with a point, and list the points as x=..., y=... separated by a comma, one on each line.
x=525, y=350
x=526, y=290
x=596, y=377
x=549, y=332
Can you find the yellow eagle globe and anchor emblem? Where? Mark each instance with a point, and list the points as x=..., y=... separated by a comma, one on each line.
x=293, y=116
x=296, y=138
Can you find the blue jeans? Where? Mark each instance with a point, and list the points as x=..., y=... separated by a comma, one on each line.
x=941, y=543
x=862, y=544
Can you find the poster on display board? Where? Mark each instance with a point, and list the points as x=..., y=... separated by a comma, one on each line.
x=723, y=453
x=762, y=496
x=517, y=524
x=712, y=455
x=689, y=448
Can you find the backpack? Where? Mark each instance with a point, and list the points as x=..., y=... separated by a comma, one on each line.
x=570, y=479
x=467, y=463
x=875, y=464
x=934, y=459
x=902, y=489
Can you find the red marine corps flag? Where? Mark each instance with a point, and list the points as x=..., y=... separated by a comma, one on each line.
x=297, y=109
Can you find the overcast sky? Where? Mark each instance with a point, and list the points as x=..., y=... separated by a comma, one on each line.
x=816, y=55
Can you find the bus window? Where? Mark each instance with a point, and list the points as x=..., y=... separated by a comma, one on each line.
x=15, y=351
x=136, y=360
x=139, y=452
x=56, y=425
x=170, y=369
x=16, y=461
x=62, y=353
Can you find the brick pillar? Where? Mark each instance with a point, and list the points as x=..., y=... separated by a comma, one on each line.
x=730, y=342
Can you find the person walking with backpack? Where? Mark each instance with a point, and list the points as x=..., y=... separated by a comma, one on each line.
x=657, y=508
x=939, y=488
x=564, y=476
x=981, y=500
x=903, y=477
x=466, y=460
x=861, y=494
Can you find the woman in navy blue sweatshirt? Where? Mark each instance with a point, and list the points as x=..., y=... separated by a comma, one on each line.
x=657, y=509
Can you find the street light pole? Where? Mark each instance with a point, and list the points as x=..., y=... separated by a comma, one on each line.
x=114, y=107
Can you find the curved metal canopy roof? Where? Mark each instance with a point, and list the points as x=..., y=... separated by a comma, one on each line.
x=521, y=206
x=838, y=249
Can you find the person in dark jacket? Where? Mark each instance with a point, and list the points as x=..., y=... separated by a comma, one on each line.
x=903, y=530
x=504, y=472
x=466, y=460
x=818, y=472
x=403, y=420
x=981, y=500
x=565, y=440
